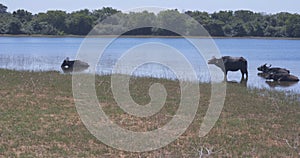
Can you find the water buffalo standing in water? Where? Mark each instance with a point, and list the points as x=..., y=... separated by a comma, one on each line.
x=73, y=65
x=228, y=63
x=274, y=70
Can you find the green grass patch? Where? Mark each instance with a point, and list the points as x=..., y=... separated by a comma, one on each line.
x=39, y=118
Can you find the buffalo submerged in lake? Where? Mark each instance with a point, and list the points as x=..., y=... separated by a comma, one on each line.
x=228, y=63
x=276, y=74
x=283, y=77
x=73, y=65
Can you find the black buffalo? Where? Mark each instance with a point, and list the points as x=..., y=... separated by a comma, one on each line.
x=274, y=70
x=73, y=65
x=283, y=77
x=228, y=63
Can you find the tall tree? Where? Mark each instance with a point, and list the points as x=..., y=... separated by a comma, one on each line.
x=172, y=20
x=202, y=17
x=244, y=15
x=239, y=30
x=214, y=28
x=293, y=25
x=57, y=19
x=224, y=16
x=80, y=22
x=3, y=9
x=101, y=14
x=14, y=27
x=23, y=15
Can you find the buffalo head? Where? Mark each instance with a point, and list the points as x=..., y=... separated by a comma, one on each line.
x=214, y=60
x=264, y=68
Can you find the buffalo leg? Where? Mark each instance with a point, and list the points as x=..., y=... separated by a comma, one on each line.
x=244, y=72
x=225, y=75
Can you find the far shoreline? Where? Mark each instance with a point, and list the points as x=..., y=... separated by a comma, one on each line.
x=144, y=36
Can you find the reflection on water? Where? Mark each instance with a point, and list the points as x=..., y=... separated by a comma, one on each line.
x=274, y=84
x=263, y=75
x=44, y=54
x=242, y=82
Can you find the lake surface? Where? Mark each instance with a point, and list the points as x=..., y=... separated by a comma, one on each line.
x=43, y=54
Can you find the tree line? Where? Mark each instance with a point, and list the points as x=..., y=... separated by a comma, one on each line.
x=239, y=23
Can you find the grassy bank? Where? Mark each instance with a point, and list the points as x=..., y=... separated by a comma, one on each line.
x=39, y=118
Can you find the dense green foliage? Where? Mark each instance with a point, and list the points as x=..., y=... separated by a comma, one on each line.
x=223, y=23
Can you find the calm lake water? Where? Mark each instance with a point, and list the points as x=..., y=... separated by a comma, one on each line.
x=42, y=54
